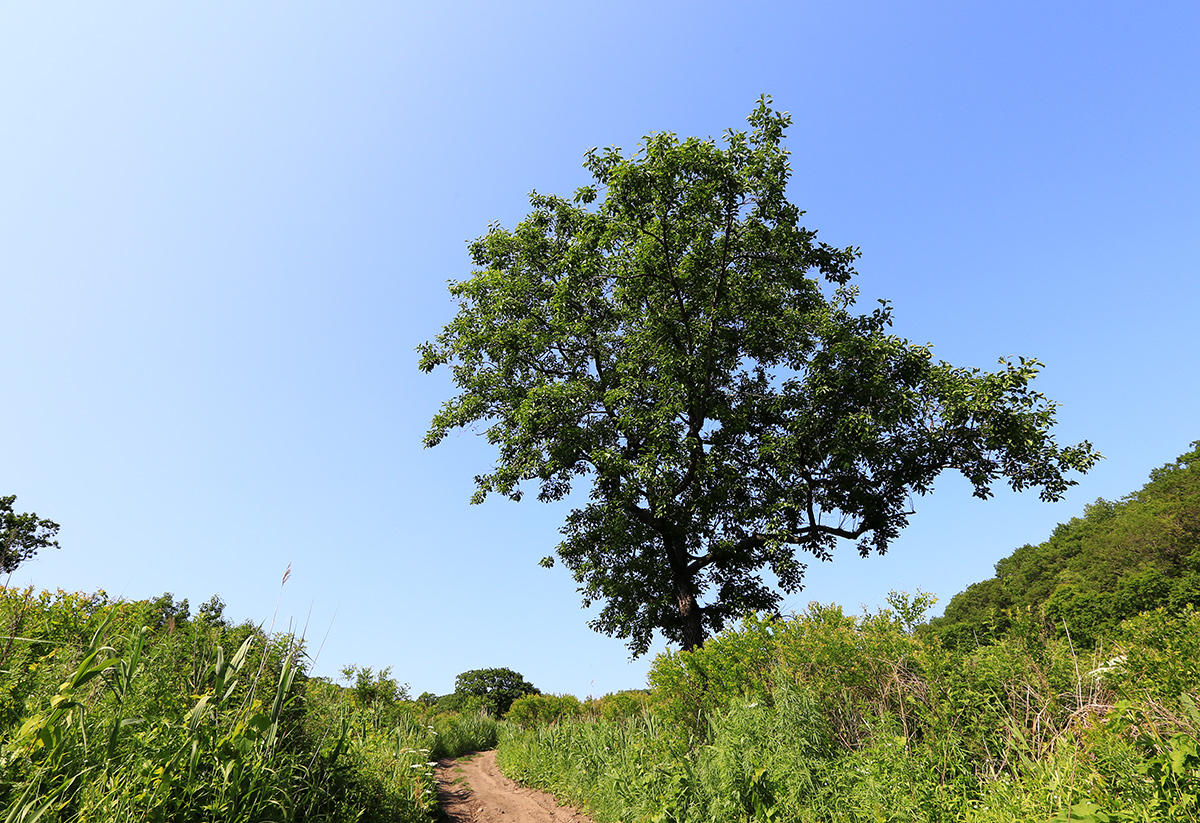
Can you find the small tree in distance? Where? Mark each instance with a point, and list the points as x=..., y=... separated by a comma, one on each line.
x=498, y=688
x=673, y=337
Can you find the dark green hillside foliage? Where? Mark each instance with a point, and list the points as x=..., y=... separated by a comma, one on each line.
x=1121, y=558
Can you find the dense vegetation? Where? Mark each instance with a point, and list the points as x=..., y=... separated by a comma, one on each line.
x=1069, y=692
x=115, y=711
x=833, y=717
x=1120, y=559
x=1065, y=688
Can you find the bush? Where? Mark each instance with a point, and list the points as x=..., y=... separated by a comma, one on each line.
x=688, y=686
x=543, y=709
x=1162, y=655
x=620, y=705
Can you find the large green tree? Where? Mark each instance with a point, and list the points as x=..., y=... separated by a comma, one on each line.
x=676, y=339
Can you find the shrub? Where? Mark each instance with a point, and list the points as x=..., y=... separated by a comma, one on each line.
x=543, y=709
x=1162, y=655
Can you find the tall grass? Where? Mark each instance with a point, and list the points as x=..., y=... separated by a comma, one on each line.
x=830, y=717
x=456, y=735
x=131, y=711
x=82, y=754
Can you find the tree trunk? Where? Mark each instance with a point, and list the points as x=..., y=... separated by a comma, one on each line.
x=685, y=594
x=689, y=610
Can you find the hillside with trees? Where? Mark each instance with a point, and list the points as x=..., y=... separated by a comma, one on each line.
x=1119, y=559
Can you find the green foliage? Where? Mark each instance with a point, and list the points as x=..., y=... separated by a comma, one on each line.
x=378, y=698
x=212, y=612
x=1120, y=559
x=1164, y=781
x=543, y=709
x=1162, y=655
x=1045, y=708
x=461, y=703
x=688, y=686
x=619, y=705
x=673, y=336
x=833, y=717
x=21, y=535
x=495, y=688
x=122, y=711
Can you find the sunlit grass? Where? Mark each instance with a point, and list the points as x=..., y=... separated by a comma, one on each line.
x=110, y=713
x=859, y=719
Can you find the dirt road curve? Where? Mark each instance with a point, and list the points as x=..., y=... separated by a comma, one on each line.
x=472, y=790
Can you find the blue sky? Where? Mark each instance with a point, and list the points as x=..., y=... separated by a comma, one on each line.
x=225, y=227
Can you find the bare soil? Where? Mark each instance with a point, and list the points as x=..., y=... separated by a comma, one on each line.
x=471, y=789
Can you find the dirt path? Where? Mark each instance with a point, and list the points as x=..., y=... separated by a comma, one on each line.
x=472, y=790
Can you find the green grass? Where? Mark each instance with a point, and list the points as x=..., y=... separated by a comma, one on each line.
x=832, y=718
x=113, y=711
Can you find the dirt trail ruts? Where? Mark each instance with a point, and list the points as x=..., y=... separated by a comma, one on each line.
x=472, y=790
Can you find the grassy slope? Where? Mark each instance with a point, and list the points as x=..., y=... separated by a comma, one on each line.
x=1065, y=688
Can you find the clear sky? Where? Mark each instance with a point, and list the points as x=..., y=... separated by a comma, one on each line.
x=224, y=227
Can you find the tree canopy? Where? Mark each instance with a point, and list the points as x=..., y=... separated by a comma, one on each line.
x=675, y=338
x=497, y=687
x=21, y=535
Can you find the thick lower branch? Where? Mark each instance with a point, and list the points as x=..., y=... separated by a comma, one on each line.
x=759, y=539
